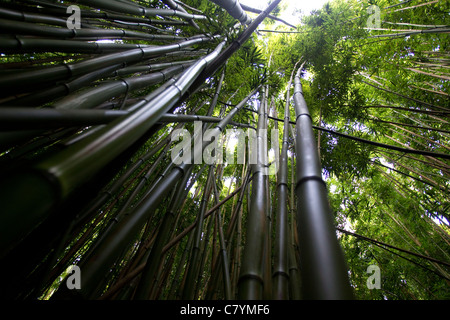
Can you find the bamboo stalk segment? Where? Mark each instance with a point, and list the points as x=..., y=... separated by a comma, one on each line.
x=73, y=166
x=323, y=268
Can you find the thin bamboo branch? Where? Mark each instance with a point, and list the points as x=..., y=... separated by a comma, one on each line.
x=429, y=90
x=278, y=31
x=408, y=109
x=410, y=125
x=415, y=25
x=192, y=226
x=189, y=7
x=412, y=7
x=173, y=5
x=406, y=97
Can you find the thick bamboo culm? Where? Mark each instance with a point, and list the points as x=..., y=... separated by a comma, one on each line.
x=323, y=268
x=87, y=176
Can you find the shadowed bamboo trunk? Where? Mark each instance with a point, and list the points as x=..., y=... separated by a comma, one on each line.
x=251, y=280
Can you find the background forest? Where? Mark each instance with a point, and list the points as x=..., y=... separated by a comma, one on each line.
x=87, y=176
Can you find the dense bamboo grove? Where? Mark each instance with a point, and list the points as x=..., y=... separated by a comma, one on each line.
x=345, y=164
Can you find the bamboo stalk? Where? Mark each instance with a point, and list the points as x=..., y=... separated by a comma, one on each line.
x=324, y=272
x=173, y=242
x=234, y=216
x=11, y=14
x=12, y=119
x=151, y=67
x=206, y=255
x=223, y=251
x=294, y=273
x=180, y=268
x=251, y=280
x=61, y=72
x=40, y=97
x=267, y=293
x=94, y=96
x=103, y=196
